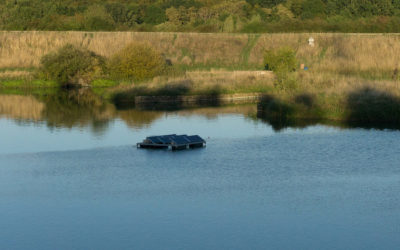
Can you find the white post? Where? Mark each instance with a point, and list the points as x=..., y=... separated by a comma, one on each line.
x=311, y=41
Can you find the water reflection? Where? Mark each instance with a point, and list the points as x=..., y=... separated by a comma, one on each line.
x=70, y=108
x=81, y=108
x=249, y=184
x=366, y=108
x=77, y=108
x=21, y=107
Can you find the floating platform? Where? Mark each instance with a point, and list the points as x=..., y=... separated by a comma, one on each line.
x=173, y=142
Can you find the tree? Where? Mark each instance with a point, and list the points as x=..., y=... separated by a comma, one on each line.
x=312, y=9
x=265, y=3
x=154, y=15
x=97, y=18
x=296, y=7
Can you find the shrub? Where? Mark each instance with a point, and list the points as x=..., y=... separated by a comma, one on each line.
x=72, y=66
x=313, y=8
x=154, y=15
x=97, y=23
x=137, y=61
x=281, y=60
x=255, y=27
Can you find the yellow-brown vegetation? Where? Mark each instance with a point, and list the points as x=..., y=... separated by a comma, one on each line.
x=24, y=49
x=337, y=61
x=15, y=74
x=336, y=53
x=137, y=61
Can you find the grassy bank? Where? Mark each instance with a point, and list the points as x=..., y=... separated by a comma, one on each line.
x=197, y=83
x=364, y=55
x=341, y=67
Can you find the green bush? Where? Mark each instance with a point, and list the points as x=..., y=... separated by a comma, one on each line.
x=99, y=24
x=254, y=27
x=137, y=61
x=281, y=60
x=71, y=66
x=154, y=15
x=313, y=8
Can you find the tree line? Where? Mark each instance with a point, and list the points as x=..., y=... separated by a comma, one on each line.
x=202, y=15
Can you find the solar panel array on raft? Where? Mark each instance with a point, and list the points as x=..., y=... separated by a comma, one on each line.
x=173, y=141
x=195, y=138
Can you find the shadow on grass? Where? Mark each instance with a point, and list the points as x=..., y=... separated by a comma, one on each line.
x=301, y=111
x=370, y=108
x=171, y=96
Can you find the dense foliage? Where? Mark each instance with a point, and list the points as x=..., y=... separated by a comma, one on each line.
x=71, y=65
x=138, y=61
x=202, y=15
x=283, y=59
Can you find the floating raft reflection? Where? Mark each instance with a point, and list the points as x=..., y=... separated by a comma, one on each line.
x=174, y=142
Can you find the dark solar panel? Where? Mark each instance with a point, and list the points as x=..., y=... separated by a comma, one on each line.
x=185, y=137
x=195, y=139
x=180, y=139
x=176, y=139
x=166, y=138
x=163, y=139
x=154, y=139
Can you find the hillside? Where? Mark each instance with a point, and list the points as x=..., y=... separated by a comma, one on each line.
x=202, y=15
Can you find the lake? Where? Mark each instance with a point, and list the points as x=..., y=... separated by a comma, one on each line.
x=71, y=177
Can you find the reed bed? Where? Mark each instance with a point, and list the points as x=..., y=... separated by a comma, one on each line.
x=15, y=74
x=368, y=56
x=24, y=49
x=336, y=53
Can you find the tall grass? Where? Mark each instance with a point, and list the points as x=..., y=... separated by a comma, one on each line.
x=366, y=55
x=24, y=49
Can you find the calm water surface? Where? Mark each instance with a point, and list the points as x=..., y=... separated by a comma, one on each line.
x=74, y=180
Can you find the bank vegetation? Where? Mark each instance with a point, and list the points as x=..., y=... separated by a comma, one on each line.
x=327, y=77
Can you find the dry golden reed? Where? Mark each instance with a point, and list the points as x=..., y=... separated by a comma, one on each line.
x=15, y=74
x=337, y=63
x=333, y=52
x=369, y=55
x=24, y=49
